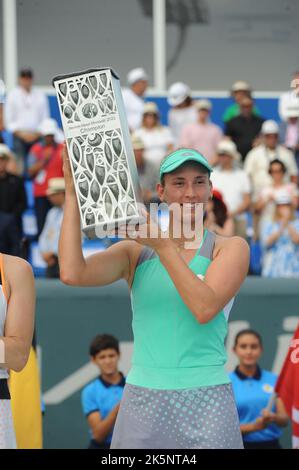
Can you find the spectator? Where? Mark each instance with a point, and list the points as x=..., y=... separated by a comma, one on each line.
x=258, y=159
x=216, y=217
x=2, y=95
x=289, y=131
x=244, y=128
x=13, y=198
x=239, y=91
x=25, y=109
x=182, y=110
x=253, y=388
x=234, y=185
x=133, y=97
x=157, y=139
x=11, y=166
x=280, y=241
x=44, y=162
x=101, y=398
x=203, y=135
x=148, y=176
x=289, y=98
x=265, y=206
x=48, y=240
x=10, y=240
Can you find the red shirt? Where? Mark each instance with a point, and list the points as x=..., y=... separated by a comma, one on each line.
x=53, y=169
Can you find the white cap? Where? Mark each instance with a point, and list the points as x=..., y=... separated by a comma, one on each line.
x=203, y=104
x=177, y=93
x=228, y=147
x=55, y=185
x=135, y=75
x=240, y=85
x=150, y=107
x=4, y=151
x=48, y=127
x=270, y=127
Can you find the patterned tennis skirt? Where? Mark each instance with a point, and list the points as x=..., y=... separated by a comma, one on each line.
x=197, y=418
x=7, y=434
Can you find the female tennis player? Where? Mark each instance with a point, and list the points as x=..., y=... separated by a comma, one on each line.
x=17, y=306
x=177, y=395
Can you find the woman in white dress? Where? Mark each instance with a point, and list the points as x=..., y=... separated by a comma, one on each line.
x=157, y=139
x=17, y=307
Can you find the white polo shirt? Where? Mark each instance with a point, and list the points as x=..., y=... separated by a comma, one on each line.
x=134, y=106
x=233, y=185
x=25, y=111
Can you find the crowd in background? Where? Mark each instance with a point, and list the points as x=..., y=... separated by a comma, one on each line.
x=255, y=177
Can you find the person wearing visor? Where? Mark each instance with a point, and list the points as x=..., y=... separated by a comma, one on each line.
x=178, y=394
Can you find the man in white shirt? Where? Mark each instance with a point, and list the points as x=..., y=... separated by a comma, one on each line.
x=25, y=109
x=290, y=98
x=182, y=110
x=133, y=97
x=258, y=159
x=233, y=183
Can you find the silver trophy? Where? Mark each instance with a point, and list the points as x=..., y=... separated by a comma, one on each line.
x=100, y=150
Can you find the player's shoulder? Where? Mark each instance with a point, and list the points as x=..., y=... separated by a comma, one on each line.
x=130, y=247
x=236, y=243
x=17, y=265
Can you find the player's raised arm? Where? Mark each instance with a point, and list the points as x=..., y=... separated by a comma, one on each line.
x=96, y=270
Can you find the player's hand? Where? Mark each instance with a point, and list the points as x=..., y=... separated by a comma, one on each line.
x=67, y=171
x=147, y=233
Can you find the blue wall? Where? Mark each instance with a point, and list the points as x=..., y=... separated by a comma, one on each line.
x=267, y=106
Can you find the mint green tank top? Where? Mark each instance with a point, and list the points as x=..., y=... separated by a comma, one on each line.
x=172, y=350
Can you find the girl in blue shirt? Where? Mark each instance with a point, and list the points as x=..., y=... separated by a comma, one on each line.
x=253, y=387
